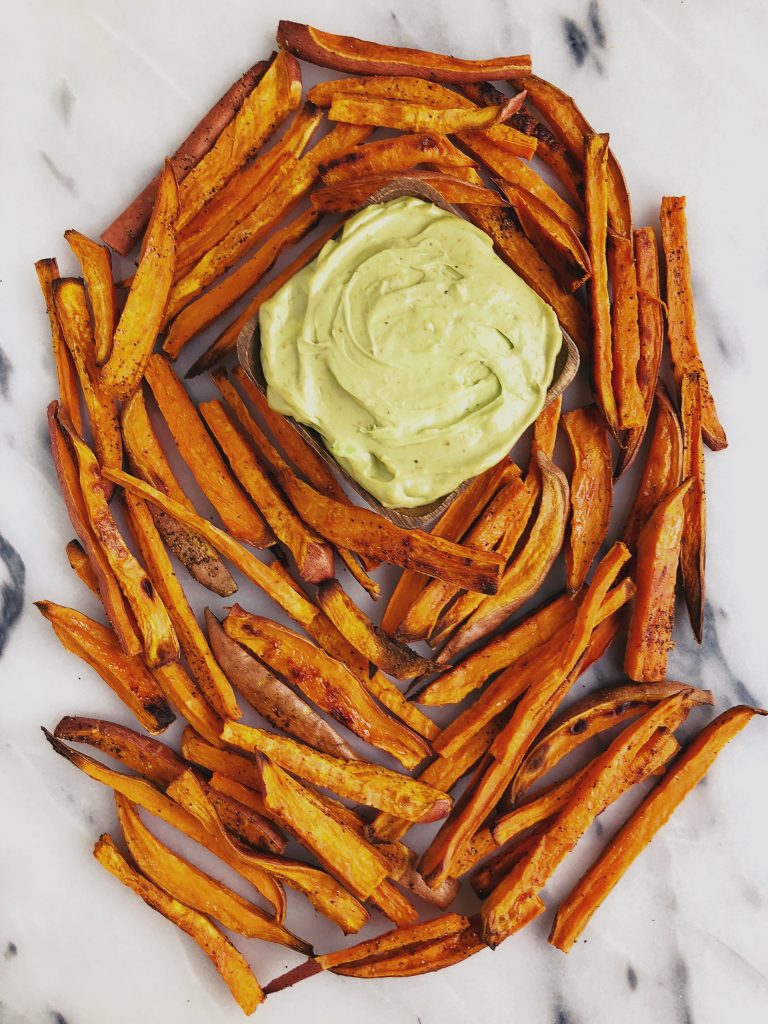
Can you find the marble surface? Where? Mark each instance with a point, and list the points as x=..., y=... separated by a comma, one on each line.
x=95, y=91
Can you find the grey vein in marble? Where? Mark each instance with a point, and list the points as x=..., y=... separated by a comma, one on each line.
x=65, y=180
x=11, y=590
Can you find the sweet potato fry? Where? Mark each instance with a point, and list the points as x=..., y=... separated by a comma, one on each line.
x=554, y=238
x=195, y=317
x=125, y=230
x=625, y=332
x=345, y=53
x=663, y=470
x=313, y=556
x=351, y=195
x=66, y=374
x=653, y=614
x=411, y=117
x=431, y=956
x=389, y=655
x=596, y=205
x=693, y=548
x=266, y=106
x=681, y=316
x=393, y=155
x=96, y=265
x=528, y=569
x=158, y=635
x=125, y=674
x=273, y=700
x=544, y=439
x=145, y=306
x=183, y=694
x=231, y=965
x=213, y=683
x=355, y=780
x=147, y=460
x=197, y=449
x=575, y=911
x=591, y=491
x=81, y=563
x=75, y=321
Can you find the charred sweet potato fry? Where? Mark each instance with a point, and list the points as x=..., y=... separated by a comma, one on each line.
x=81, y=563
x=313, y=556
x=387, y=155
x=145, y=306
x=96, y=265
x=693, y=548
x=231, y=965
x=590, y=891
x=197, y=449
x=266, y=106
x=351, y=195
x=66, y=374
x=345, y=53
x=653, y=614
x=663, y=470
x=356, y=780
x=591, y=491
x=681, y=316
x=625, y=332
x=431, y=956
x=212, y=681
x=272, y=698
x=148, y=460
x=389, y=655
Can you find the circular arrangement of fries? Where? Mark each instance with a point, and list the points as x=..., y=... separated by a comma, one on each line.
x=211, y=225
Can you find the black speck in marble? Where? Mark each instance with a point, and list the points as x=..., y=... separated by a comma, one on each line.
x=632, y=977
x=596, y=24
x=577, y=41
x=11, y=589
x=65, y=180
x=11, y=950
x=65, y=101
x=6, y=367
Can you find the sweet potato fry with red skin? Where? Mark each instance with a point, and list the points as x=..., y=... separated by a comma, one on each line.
x=681, y=316
x=148, y=460
x=591, y=491
x=649, y=640
x=195, y=317
x=393, y=155
x=693, y=548
x=651, y=326
x=231, y=964
x=266, y=106
x=96, y=265
x=273, y=700
x=144, y=309
x=590, y=891
x=197, y=449
x=355, y=780
x=663, y=470
x=123, y=233
x=213, y=683
x=158, y=635
x=75, y=321
x=66, y=375
x=625, y=332
x=346, y=53
x=351, y=195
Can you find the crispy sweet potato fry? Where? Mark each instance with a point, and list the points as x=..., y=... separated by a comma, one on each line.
x=591, y=491
x=575, y=911
x=125, y=674
x=681, y=316
x=625, y=332
x=231, y=965
x=345, y=53
x=81, y=563
x=432, y=956
x=96, y=265
x=158, y=635
x=145, y=306
x=412, y=117
x=313, y=556
x=66, y=374
x=387, y=654
x=148, y=460
x=555, y=239
x=277, y=93
x=663, y=470
x=197, y=449
x=213, y=683
x=356, y=780
x=653, y=614
x=387, y=155
x=693, y=548
x=195, y=317
x=272, y=698
x=351, y=195
x=183, y=694
x=596, y=205
x=125, y=230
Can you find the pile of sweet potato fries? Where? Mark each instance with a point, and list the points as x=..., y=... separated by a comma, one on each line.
x=210, y=226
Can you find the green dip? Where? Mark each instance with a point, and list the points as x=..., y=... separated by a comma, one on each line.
x=417, y=354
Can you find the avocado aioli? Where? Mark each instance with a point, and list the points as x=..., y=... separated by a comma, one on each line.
x=417, y=354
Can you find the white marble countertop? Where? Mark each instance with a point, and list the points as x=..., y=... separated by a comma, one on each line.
x=94, y=92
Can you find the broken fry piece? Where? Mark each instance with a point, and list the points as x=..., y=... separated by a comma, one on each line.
x=81, y=563
x=591, y=491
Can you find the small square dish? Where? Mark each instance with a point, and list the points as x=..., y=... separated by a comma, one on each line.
x=249, y=353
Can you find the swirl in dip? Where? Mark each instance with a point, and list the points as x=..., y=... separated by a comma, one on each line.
x=416, y=353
